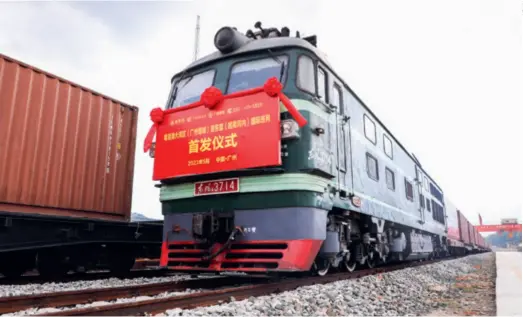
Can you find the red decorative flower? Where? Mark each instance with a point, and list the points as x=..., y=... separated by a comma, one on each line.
x=211, y=97
x=272, y=87
x=157, y=115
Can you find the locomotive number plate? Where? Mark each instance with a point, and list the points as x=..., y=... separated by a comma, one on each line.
x=220, y=186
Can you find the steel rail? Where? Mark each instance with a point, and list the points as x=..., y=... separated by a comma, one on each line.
x=214, y=297
x=66, y=298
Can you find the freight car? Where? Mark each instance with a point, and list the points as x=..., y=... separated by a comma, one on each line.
x=268, y=161
x=457, y=238
x=462, y=236
x=66, y=177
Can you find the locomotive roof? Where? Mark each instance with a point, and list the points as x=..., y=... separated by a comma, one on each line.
x=282, y=42
x=258, y=45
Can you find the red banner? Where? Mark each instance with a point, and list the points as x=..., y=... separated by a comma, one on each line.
x=492, y=228
x=241, y=132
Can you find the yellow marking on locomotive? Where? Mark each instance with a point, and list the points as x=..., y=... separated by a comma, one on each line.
x=216, y=143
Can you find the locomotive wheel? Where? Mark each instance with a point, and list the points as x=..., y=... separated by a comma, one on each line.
x=322, y=266
x=371, y=260
x=350, y=264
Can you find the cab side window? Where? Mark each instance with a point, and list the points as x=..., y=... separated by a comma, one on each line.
x=305, y=79
x=370, y=129
x=409, y=190
x=387, y=146
x=390, y=179
x=322, y=84
x=336, y=96
x=372, y=167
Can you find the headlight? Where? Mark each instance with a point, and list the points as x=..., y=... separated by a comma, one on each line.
x=151, y=150
x=289, y=129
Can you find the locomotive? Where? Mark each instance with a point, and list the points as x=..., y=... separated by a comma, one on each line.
x=267, y=161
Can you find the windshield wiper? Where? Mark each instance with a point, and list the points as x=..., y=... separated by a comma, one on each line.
x=281, y=63
x=176, y=89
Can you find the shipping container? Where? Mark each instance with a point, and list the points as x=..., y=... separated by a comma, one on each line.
x=463, y=228
x=478, y=242
x=472, y=233
x=65, y=150
x=479, y=239
x=452, y=220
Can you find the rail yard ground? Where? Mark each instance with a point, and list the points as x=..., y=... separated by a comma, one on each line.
x=508, y=283
x=448, y=287
x=465, y=286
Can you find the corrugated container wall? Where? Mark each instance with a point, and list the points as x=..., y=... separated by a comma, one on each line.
x=479, y=239
x=463, y=228
x=452, y=220
x=472, y=234
x=64, y=149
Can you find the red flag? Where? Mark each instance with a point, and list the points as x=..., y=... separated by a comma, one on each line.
x=480, y=220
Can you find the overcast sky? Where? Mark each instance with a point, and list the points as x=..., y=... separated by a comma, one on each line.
x=443, y=75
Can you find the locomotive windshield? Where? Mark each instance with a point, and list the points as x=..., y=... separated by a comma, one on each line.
x=244, y=75
x=188, y=90
x=254, y=73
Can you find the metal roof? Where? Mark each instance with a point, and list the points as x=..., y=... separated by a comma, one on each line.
x=258, y=45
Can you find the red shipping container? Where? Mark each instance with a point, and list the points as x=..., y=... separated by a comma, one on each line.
x=482, y=240
x=476, y=238
x=479, y=239
x=65, y=150
x=452, y=220
x=472, y=233
x=463, y=228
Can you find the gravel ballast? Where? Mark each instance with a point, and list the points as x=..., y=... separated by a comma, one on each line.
x=435, y=290
x=39, y=288
x=51, y=310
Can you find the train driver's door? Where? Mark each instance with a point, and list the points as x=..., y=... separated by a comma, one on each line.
x=341, y=140
x=420, y=198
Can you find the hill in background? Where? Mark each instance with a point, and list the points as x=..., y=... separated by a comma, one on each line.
x=139, y=217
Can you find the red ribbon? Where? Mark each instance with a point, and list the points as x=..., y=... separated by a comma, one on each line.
x=148, y=142
x=274, y=88
x=157, y=115
x=212, y=97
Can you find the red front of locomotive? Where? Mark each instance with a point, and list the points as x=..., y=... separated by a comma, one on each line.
x=226, y=134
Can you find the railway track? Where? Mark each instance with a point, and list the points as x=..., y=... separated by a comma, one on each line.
x=205, y=298
x=84, y=296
